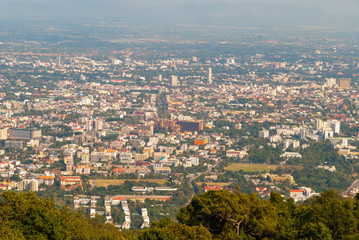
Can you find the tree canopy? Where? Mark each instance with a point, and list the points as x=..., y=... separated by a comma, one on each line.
x=26, y=216
x=241, y=216
x=212, y=215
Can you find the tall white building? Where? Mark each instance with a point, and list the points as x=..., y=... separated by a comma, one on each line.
x=327, y=132
x=29, y=184
x=88, y=125
x=330, y=82
x=94, y=124
x=334, y=125
x=318, y=124
x=97, y=124
x=3, y=134
x=264, y=133
x=231, y=61
x=174, y=81
x=59, y=61
x=209, y=75
x=303, y=133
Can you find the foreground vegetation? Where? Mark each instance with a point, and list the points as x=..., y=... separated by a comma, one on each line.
x=25, y=216
x=212, y=215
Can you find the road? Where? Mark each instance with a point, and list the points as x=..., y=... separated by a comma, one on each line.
x=197, y=176
x=355, y=184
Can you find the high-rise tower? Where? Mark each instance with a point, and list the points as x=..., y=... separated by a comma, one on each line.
x=209, y=75
x=174, y=81
x=59, y=61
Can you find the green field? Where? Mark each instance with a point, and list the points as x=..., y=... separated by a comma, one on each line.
x=221, y=184
x=253, y=167
x=107, y=182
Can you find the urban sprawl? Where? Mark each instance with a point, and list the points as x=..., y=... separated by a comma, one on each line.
x=134, y=133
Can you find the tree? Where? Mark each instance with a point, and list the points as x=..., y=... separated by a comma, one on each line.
x=332, y=211
x=224, y=212
x=165, y=229
x=15, y=177
x=25, y=216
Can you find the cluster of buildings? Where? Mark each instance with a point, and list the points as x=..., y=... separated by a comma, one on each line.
x=302, y=194
x=124, y=116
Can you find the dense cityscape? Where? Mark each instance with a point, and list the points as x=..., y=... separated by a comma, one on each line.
x=130, y=129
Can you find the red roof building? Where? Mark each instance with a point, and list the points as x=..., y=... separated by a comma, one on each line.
x=212, y=188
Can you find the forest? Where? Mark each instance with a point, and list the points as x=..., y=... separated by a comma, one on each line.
x=211, y=215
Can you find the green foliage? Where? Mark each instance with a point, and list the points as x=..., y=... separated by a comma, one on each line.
x=225, y=212
x=265, y=154
x=212, y=215
x=61, y=131
x=110, y=137
x=15, y=177
x=240, y=216
x=162, y=105
x=165, y=229
x=319, y=153
x=320, y=179
x=25, y=216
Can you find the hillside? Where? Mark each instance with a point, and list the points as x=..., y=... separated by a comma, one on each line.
x=212, y=215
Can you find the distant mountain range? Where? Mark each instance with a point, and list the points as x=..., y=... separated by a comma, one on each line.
x=159, y=11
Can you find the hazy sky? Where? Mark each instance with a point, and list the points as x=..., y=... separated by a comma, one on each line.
x=334, y=6
x=330, y=5
x=319, y=12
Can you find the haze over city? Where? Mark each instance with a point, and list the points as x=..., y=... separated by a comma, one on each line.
x=176, y=120
x=212, y=12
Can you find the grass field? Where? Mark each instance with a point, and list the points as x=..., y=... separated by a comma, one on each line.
x=221, y=184
x=107, y=182
x=253, y=167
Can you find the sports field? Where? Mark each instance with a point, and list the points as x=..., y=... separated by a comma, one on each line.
x=107, y=182
x=221, y=184
x=254, y=167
